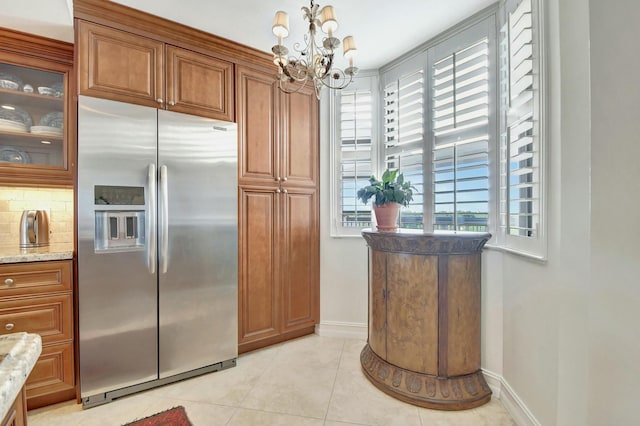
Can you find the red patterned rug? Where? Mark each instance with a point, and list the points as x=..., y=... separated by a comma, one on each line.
x=173, y=417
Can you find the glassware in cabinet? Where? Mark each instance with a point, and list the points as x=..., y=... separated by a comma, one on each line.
x=32, y=113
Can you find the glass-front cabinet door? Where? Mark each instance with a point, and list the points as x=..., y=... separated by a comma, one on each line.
x=31, y=116
x=34, y=112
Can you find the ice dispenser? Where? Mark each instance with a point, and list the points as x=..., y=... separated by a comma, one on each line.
x=118, y=230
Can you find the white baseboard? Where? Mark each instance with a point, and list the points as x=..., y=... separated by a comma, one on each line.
x=346, y=330
x=494, y=381
x=511, y=401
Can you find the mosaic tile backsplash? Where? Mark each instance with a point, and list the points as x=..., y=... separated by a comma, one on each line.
x=58, y=202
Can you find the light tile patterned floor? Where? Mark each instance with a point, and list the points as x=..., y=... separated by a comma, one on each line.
x=309, y=381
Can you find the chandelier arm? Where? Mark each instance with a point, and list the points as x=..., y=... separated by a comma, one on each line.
x=342, y=80
x=297, y=88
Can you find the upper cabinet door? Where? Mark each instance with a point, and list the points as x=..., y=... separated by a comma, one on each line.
x=199, y=84
x=257, y=109
x=300, y=140
x=117, y=65
x=36, y=110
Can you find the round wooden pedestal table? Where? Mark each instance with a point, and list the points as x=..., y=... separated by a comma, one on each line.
x=424, y=318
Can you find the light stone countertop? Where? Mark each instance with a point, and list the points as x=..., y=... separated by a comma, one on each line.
x=15, y=254
x=18, y=354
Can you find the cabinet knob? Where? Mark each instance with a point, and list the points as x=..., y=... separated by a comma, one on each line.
x=284, y=179
x=172, y=103
x=285, y=191
x=278, y=191
x=9, y=326
x=160, y=101
x=278, y=179
x=8, y=281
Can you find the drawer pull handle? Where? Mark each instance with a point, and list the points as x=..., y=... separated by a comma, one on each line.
x=9, y=327
x=8, y=281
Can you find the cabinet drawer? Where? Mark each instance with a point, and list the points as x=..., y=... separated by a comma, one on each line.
x=48, y=316
x=53, y=371
x=18, y=279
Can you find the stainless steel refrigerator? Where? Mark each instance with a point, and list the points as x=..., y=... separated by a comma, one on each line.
x=157, y=247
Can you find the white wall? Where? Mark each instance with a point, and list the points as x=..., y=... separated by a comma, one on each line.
x=343, y=261
x=545, y=303
x=614, y=296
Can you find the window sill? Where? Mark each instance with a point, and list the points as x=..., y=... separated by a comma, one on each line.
x=530, y=256
x=348, y=236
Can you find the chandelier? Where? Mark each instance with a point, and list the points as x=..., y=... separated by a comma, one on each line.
x=315, y=62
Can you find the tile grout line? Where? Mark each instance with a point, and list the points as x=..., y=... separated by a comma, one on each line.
x=335, y=379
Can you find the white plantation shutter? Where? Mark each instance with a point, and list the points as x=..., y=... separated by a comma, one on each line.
x=356, y=125
x=460, y=100
x=404, y=138
x=521, y=143
x=353, y=153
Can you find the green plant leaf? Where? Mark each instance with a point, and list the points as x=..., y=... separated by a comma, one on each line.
x=392, y=188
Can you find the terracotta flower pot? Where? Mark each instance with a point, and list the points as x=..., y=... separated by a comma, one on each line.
x=387, y=216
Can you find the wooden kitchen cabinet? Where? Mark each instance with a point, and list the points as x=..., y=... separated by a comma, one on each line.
x=279, y=265
x=122, y=66
x=299, y=263
x=279, y=224
x=259, y=285
x=198, y=84
x=299, y=138
x=258, y=106
x=37, y=297
x=278, y=132
x=36, y=119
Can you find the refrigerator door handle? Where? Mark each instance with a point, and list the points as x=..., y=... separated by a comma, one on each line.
x=151, y=222
x=164, y=244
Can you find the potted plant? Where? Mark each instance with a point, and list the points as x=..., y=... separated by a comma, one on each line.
x=389, y=194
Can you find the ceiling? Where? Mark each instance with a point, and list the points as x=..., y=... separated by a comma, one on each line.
x=383, y=31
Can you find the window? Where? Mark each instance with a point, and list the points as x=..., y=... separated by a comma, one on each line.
x=463, y=118
x=521, y=132
x=354, y=150
x=460, y=100
x=404, y=138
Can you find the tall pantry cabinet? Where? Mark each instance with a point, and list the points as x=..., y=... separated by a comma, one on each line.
x=279, y=220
